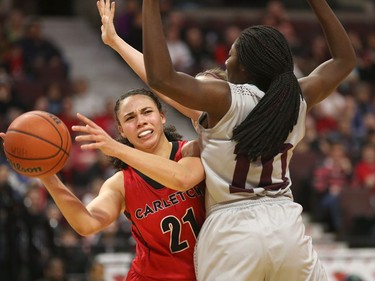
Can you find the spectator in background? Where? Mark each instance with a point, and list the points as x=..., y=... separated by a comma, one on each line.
x=221, y=50
x=9, y=101
x=318, y=53
x=14, y=25
x=55, y=95
x=54, y=270
x=367, y=59
x=13, y=230
x=202, y=57
x=41, y=243
x=345, y=136
x=74, y=253
x=286, y=27
x=96, y=272
x=274, y=13
x=129, y=23
x=67, y=114
x=38, y=51
x=327, y=113
x=179, y=49
x=302, y=166
x=364, y=109
x=329, y=179
x=105, y=118
x=14, y=62
x=85, y=101
x=112, y=240
x=364, y=169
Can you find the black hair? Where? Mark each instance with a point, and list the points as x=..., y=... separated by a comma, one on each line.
x=266, y=55
x=169, y=130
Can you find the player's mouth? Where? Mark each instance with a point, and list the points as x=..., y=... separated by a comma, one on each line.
x=144, y=133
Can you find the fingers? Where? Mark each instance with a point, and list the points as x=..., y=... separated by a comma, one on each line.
x=2, y=135
x=106, y=8
x=87, y=138
x=82, y=129
x=100, y=5
x=89, y=146
x=87, y=121
x=99, y=8
x=112, y=10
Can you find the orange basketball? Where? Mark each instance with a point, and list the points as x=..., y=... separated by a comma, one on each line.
x=37, y=143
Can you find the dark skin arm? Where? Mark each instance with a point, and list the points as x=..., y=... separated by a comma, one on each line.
x=214, y=96
x=328, y=76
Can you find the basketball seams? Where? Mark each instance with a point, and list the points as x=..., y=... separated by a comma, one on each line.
x=42, y=115
x=37, y=137
x=59, y=144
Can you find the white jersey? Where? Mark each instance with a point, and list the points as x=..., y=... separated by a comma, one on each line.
x=240, y=179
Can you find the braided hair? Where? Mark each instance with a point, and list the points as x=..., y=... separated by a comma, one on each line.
x=266, y=55
x=169, y=130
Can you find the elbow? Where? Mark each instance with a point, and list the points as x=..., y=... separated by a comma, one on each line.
x=154, y=82
x=160, y=81
x=84, y=231
x=347, y=65
x=184, y=183
x=354, y=63
x=351, y=61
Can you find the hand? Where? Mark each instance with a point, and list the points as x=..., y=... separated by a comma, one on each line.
x=2, y=135
x=107, y=12
x=95, y=137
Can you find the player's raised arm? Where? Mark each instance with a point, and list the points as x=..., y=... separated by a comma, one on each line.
x=162, y=76
x=328, y=76
x=131, y=56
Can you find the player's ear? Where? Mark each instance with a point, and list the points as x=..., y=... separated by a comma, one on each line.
x=121, y=131
x=163, y=118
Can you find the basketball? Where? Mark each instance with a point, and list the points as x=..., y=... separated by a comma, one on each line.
x=37, y=143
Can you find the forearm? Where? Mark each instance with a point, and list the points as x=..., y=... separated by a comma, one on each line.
x=337, y=39
x=174, y=175
x=131, y=56
x=134, y=59
x=70, y=206
x=157, y=60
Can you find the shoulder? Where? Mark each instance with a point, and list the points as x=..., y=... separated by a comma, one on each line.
x=191, y=149
x=246, y=90
x=115, y=182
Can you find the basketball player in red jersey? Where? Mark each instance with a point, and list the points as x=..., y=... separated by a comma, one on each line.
x=165, y=221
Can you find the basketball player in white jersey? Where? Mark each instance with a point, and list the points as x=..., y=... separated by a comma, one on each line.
x=254, y=230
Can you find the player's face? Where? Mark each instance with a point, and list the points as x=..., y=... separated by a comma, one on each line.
x=235, y=72
x=141, y=122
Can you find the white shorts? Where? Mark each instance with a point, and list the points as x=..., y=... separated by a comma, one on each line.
x=256, y=240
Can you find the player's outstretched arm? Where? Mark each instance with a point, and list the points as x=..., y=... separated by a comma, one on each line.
x=328, y=76
x=130, y=55
x=98, y=214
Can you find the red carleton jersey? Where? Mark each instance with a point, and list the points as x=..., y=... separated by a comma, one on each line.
x=165, y=225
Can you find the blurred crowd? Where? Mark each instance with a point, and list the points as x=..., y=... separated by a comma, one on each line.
x=333, y=169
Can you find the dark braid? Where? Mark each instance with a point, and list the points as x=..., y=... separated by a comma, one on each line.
x=265, y=53
x=169, y=131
